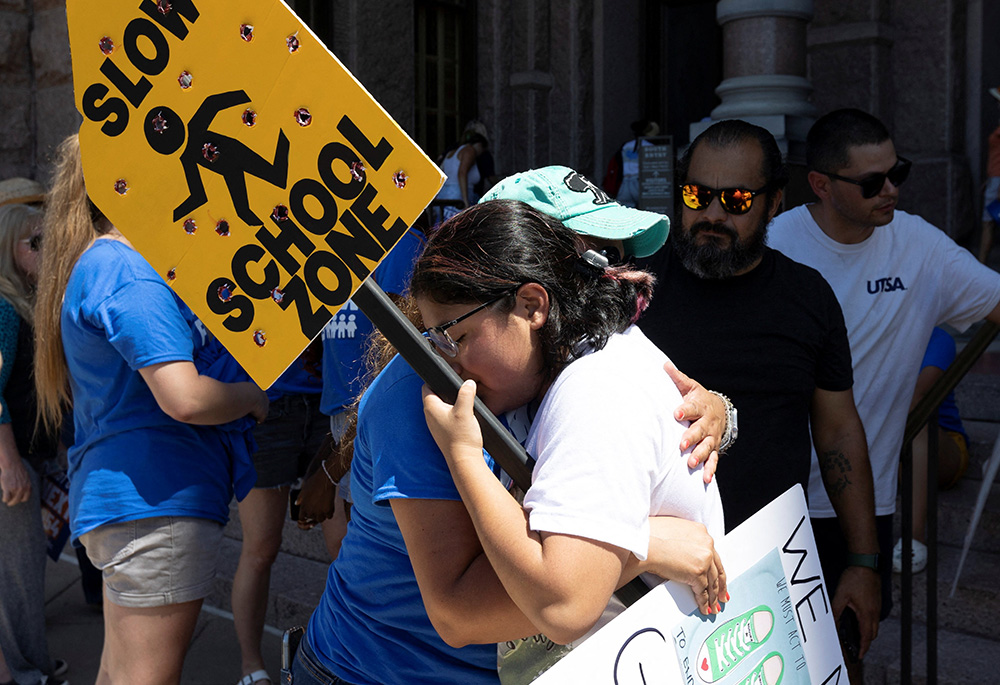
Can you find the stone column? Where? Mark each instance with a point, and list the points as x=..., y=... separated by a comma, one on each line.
x=764, y=69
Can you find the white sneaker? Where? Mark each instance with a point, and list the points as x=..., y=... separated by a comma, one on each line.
x=918, y=557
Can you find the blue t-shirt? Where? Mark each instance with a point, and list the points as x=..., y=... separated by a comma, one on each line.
x=295, y=380
x=345, y=337
x=940, y=354
x=129, y=459
x=371, y=626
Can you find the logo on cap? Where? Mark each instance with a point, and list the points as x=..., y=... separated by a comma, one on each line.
x=579, y=183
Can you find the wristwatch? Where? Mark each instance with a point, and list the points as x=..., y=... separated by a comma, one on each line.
x=866, y=560
x=732, y=425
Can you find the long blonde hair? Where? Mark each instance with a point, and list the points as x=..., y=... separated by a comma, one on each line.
x=71, y=225
x=16, y=224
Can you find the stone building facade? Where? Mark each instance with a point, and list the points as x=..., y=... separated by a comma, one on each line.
x=559, y=81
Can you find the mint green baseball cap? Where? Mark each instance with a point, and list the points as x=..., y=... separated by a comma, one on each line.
x=584, y=207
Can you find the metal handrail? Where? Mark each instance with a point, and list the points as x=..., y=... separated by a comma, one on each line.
x=963, y=361
x=926, y=413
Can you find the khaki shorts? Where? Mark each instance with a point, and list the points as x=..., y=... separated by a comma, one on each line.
x=155, y=562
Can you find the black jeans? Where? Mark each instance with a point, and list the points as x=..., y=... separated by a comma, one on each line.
x=306, y=670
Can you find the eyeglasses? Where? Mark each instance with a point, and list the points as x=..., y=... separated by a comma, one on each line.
x=439, y=334
x=34, y=242
x=872, y=185
x=734, y=200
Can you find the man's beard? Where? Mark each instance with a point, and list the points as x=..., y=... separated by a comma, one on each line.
x=711, y=260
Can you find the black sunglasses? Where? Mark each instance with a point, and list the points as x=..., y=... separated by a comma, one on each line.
x=34, y=242
x=872, y=185
x=439, y=334
x=734, y=200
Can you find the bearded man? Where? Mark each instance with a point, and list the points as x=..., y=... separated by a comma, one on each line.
x=769, y=333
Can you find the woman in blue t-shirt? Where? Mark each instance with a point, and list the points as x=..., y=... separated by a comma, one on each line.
x=150, y=475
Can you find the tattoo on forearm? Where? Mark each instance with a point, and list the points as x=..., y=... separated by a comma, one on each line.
x=836, y=470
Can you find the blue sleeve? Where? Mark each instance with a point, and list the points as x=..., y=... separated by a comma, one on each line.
x=143, y=323
x=10, y=324
x=406, y=462
x=940, y=350
x=393, y=273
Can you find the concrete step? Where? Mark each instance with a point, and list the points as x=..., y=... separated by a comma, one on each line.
x=298, y=575
x=982, y=436
x=297, y=583
x=962, y=658
x=955, y=508
x=968, y=646
x=301, y=543
x=976, y=594
x=978, y=397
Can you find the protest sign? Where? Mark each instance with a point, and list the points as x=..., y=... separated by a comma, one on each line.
x=55, y=509
x=245, y=163
x=778, y=626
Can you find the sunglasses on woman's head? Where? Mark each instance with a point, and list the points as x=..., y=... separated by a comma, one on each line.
x=439, y=334
x=734, y=200
x=872, y=185
x=34, y=242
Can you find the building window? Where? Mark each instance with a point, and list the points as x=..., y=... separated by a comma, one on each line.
x=446, y=71
x=317, y=15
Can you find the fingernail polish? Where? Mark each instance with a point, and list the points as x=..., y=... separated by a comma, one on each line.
x=718, y=608
x=727, y=597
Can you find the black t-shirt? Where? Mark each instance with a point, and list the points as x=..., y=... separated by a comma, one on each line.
x=767, y=340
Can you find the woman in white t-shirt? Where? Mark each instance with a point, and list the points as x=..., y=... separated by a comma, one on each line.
x=527, y=316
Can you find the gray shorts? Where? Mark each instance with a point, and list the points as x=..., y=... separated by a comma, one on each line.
x=155, y=562
x=288, y=440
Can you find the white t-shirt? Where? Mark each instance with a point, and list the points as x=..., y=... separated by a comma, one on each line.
x=607, y=450
x=451, y=190
x=894, y=287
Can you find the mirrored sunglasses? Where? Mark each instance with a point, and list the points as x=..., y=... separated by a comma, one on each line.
x=734, y=200
x=872, y=185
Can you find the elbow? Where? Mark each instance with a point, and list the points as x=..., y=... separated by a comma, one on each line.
x=564, y=624
x=453, y=638
x=181, y=410
x=451, y=627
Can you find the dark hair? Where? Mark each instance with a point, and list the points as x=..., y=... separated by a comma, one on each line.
x=488, y=249
x=733, y=132
x=830, y=139
x=471, y=138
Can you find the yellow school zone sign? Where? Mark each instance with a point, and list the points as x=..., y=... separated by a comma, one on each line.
x=245, y=163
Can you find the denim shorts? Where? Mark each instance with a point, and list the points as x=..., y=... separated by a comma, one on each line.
x=155, y=562
x=288, y=440
x=306, y=670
